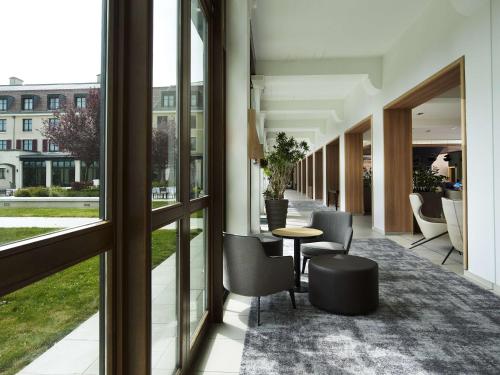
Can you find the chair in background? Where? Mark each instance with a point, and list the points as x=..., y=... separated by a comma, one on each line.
x=430, y=227
x=454, y=215
x=248, y=271
x=336, y=238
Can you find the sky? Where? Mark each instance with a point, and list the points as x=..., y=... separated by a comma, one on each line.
x=59, y=41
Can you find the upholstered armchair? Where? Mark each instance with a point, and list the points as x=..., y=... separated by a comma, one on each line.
x=336, y=238
x=430, y=227
x=248, y=271
x=454, y=215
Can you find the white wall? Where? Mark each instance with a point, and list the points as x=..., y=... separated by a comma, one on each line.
x=438, y=38
x=238, y=102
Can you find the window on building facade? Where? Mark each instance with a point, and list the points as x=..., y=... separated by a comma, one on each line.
x=193, y=143
x=2, y=173
x=80, y=101
x=53, y=102
x=194, y=100
x=53, y=121
x=27, y=104
x=193, y=121
x=63, y=172
x=27, y=125
x=3, y=104
x=27, y=145
x=3, y=125
x=33, y=173
x=53, y=147
x=169, y=100
x=4, y=144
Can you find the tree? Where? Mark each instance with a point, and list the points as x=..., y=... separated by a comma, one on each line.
x=280, y=163
x=164, y=147
x=76, y=130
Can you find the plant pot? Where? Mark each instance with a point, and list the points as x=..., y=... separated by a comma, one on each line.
x=276, y=211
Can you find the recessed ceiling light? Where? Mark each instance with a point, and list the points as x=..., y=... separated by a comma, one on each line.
x=454, y=127
x=420, y=113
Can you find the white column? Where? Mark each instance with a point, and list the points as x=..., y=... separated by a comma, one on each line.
x=78, y=169
x=19, y=175
x=495, y=17
x=48, y=173
x=238, y=102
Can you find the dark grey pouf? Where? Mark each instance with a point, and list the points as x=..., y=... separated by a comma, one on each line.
x=343, y=284
x=273, y=246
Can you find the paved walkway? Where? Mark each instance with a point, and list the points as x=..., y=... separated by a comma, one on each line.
x=45, y=222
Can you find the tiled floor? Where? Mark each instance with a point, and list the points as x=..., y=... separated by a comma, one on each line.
x=225, y=349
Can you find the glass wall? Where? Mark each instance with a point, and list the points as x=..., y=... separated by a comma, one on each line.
x=165, y=132
x=198, y=161
x=165, y=300
x=33, y=173
x=63, y=172
x=52, y=326
x=197, y=268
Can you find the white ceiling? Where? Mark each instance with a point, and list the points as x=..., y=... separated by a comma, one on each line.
x=311, y=87
x=439, y=119
x=312, y=29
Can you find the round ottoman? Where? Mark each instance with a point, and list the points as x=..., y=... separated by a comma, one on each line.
x=343, y=284
x=273, y=246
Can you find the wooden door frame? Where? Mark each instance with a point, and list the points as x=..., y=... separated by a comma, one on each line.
x=318, y=177
x=329, y=176
x=353, y=182
x=445, y=79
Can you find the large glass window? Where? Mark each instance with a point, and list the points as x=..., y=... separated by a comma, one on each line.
x=165, y=300
x=3, y=125
x=27, y=125
x=63, y=172
x=198, y=161
x=198, y=268
x=51, y=326
x=33, y=173
x=165, y=133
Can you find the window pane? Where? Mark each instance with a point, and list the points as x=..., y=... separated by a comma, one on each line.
x=198, y=162
x=52, y=326
x=165, y=302
x=165, y=149
x=51, y=148
x=198, y=268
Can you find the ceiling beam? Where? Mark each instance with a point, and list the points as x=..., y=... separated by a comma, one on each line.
x=371, y=66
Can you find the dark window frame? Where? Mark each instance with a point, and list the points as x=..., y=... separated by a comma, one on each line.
x=28, y=99
x=3, y=125
x=27, y=125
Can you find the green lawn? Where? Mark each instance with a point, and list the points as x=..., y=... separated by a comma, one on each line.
x=59, y=212
x=34, y=318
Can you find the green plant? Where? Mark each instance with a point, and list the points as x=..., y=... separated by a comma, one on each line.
x=280, y=163
x=367, y=177
x=22, y=193
x=426, y=179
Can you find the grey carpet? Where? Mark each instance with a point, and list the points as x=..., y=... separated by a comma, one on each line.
x=430, y=321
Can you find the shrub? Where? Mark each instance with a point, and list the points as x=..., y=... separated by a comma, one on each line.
x=22, y=193
x=40, y=191
x=79, y=185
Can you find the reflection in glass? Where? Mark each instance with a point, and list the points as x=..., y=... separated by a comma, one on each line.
x=198, y=161
x=52, y=326
x=198, y=268
x=164, y=294
x=51, y=147
x=165, y=148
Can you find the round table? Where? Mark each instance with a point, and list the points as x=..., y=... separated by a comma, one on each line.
x=296, y=234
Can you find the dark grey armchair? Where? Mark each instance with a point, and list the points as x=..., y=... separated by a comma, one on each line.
x=336, y=238
x=250, y=272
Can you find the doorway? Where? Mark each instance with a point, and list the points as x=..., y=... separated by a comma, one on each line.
x=399, y=150
x=333, y=173
x=318, y=175
x=358, y=166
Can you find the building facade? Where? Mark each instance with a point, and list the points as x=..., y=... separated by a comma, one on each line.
x=27, y=158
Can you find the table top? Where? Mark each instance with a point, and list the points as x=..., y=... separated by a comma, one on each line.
x=297, y=232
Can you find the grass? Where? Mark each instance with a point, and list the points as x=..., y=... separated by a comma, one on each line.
x=34, y=318
x=58, y=212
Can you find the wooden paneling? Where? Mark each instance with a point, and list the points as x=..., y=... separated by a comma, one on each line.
x=318, y=168
x=398, y=169
x=310, y=178
x=304, y=174
x=354, y=172
x=255, y=150
x=332, y=166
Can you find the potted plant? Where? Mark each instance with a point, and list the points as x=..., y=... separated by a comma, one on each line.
x=278, y=166
x=367, y=190
x=428, y=182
